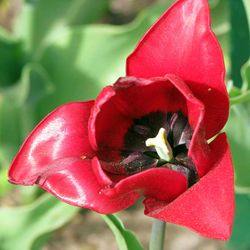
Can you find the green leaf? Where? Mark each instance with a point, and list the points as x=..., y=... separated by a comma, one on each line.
x=242, y=95
x=240, y=40
x=35, y=84
x=247, y=9
x=245, y=72
x=18, y=114
x=21, y=227
x=10, y=129
x=240, y=239
x=5, y=186
x=11, y=60
x=238, y=131
x=220, y=16
x=232, y=90
x=126, y=240
x=246, y=68
x=81, y=61
x=43, y=17
x=221, y=26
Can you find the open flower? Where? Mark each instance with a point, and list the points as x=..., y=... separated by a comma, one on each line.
x=146, y=134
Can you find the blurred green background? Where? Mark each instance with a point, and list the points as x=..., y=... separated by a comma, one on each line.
x=57, y=51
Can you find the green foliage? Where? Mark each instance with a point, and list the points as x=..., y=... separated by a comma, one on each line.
x=247, y=8
x=17, y=108
x=125, y=238
x=221, y=26
x=246, y=75
x=11, y=60
x=23, y=227
x=240, y=239
x=5, y=187
x=240, y=40
x=238, y=131
x=83, y=60
x=43, y=17
x=242, y=95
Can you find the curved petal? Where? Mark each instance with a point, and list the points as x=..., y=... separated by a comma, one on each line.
x=129, y=98
x=182, y=43
x=132, y=98
x=78, y=182
x=62, y=134
x=208, y=206
x=107, y=121
x=159, y=183
x=199, y=150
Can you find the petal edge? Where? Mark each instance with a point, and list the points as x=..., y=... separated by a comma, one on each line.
x=61, y=134
x=208, y=206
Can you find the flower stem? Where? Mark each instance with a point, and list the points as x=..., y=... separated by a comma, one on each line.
x=157, y=235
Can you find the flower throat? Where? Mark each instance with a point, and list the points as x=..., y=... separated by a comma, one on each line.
x=156, y=140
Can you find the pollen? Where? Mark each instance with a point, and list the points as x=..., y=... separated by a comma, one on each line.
x=161, y=145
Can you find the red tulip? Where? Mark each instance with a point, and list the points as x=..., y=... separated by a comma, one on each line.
x=104, y=154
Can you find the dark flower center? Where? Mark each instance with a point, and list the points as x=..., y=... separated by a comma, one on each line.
x=167, y=136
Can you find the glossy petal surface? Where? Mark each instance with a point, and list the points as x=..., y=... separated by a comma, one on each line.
x=182, y=43
x=208, y=206
x=159, y=183
x=82, y=183
x=62, y=134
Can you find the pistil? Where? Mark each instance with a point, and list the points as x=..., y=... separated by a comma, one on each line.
x=161, y=145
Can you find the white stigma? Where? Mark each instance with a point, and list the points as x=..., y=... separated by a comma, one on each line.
x=161, y=145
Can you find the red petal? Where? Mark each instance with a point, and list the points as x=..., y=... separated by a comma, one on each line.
x=128, y=99
x=182, y=43
x=132, y=98
x=199, y=150
x=107, y=121
x=208, y=206
x=62, y=134
x=82, y=183
x=159, y=183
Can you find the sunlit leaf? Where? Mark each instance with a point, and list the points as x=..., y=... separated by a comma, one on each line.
x=18, y=114
x=246, y=75
x=241, y=95
x=240, y=239
x=238, y=131
x=126, y=240
x=221, y=27
x=240, y=40
x=5, y=186
x=247, y=8
x=42, y=17
x=22, y=226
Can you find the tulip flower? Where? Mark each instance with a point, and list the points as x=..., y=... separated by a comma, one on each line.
x=153, y=133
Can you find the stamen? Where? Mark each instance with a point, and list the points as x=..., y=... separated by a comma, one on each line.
x=161, y=145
